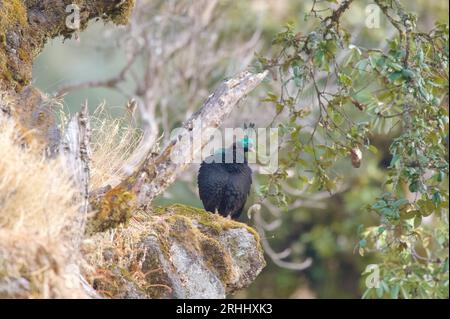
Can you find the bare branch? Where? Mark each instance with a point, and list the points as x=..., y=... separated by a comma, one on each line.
x=109, y=83
x=277, y=258
x=75, y=148
x=76, y=153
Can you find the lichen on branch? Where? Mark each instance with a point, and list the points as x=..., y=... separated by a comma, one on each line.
x=25, y=26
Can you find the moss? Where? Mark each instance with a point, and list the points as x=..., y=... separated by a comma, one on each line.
x=13, y=18
x=113, y=209
x=3, y=39
x=5, y=74
x=212, y=222
x=158, y=280
x=122, y=14
x=13, y=12
x=202, y=240
x=195, y=230
x=23, y=54
x=29, y=37
x=180, y=228
x=216, y=258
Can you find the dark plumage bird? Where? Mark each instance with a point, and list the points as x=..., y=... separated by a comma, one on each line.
x=224, y=180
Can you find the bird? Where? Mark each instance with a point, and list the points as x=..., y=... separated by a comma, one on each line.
x=224, y=180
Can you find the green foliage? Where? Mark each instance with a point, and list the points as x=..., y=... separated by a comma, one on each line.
x=401, y=90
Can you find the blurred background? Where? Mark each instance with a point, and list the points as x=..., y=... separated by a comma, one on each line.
x=156, y=71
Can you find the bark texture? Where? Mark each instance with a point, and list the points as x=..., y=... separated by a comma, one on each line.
x=25, y=26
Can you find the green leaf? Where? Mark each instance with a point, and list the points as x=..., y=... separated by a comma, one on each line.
x=400, y=202
x=361, y=66
x=440, y=176
x=372, y=149
x=338, y=119
x=271, y=97
x=405, y=293
x=417, y=221
x=345, y=80
x=423, y=92
x=407, y=73
x=395, y=291
x=319, y=58
x=384, y=285
x=393, y=77
x=395, y=66
x=379, y=291
x=414, y=187
x=279, y=108
x=394, y=160
x=445, y=266
x=366, y=293
x=437, y=198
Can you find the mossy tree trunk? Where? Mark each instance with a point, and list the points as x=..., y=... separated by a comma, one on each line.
x=25, y=26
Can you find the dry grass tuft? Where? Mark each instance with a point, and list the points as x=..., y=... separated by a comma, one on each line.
x=36, y=210
x=115, y=257
x=113, y=141
x=35, y=194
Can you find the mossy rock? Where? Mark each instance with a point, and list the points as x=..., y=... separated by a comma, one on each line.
x=185, y=252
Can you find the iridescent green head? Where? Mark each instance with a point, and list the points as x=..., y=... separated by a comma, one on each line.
x=246, y=143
